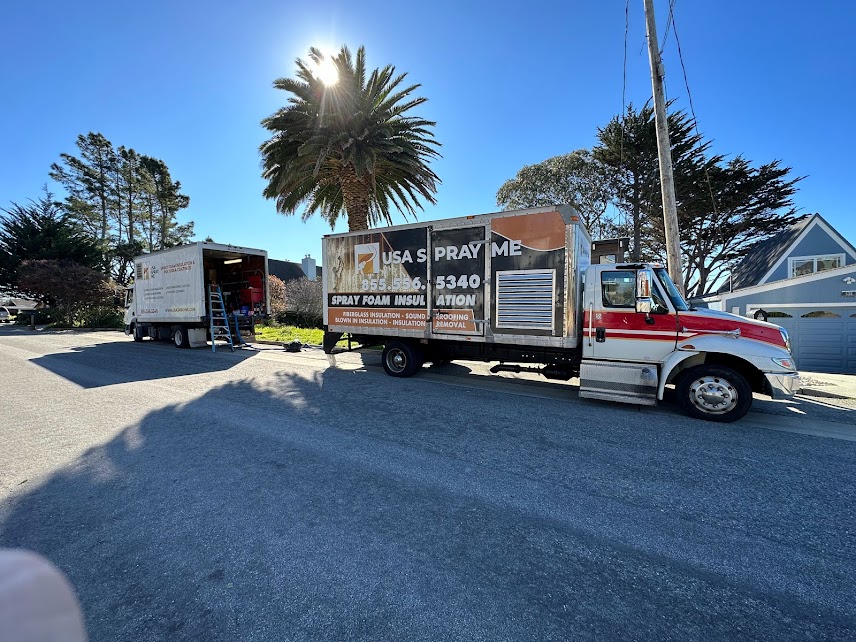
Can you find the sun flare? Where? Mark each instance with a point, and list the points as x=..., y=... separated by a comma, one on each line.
x=325, y=71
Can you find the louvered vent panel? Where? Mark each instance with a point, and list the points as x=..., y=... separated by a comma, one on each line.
x=525, y=299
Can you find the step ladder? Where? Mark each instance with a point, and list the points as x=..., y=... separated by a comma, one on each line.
x=218, y=317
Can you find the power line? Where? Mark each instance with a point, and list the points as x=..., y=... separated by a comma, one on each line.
x=669, y=21
x=624, y=80
x=690, y=98
x=624, y=91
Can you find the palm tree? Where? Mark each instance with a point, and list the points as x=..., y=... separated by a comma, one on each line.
x=348, y=144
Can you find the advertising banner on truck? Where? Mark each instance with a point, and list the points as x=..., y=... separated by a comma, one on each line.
x=458, y=275
x=528, y=261
x=169, y=285
x=378, y=280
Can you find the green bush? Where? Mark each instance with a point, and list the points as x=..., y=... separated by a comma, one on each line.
x=43, y=316
x=300, y=320
x=102, y=316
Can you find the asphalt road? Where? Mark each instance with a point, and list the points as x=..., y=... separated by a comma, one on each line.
x=265, y=496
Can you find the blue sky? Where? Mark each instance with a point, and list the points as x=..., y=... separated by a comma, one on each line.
x=508, y=84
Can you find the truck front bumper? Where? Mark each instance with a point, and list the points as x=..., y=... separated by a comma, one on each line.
x=782, y=385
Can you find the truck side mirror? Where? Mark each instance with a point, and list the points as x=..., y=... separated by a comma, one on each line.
x=644, y=302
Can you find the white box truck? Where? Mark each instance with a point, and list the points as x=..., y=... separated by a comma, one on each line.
x=517, y=287
x=168, y=299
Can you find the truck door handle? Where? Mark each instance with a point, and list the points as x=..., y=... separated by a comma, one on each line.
x=600, y=335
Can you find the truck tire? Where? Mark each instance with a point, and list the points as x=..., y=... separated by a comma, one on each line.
x=401, y=359
x=179, y=337
x=714, y=393
x=137, y=333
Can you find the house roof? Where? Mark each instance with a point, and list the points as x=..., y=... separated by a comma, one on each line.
x=288, y=270
x=20, y=304
x=761, y=257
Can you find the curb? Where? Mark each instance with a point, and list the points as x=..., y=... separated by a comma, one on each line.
x=285, y=343
x=815, y=392
x=42, y=328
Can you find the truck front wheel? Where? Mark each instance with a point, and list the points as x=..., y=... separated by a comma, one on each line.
x=179, y=337
x=137, y=332
x=714, y=393
x=401, y=359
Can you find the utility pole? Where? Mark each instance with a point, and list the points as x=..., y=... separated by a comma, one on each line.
x=664, y=149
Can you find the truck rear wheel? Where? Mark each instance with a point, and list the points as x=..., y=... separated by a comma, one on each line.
x=401, y=359
x=714, y=393
x=179, y=337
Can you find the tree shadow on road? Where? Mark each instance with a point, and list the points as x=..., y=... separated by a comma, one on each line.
x=343, y=505
x=87, y=366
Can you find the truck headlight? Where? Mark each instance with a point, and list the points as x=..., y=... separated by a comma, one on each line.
x=787, y=364
x=786, y=339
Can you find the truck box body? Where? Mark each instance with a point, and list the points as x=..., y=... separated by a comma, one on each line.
x=505, y=277
x=170, y=288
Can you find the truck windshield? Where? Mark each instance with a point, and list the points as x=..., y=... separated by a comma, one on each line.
x=671, y=290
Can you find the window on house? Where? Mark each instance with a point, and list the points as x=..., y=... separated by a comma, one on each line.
x=821, y=314
x=802, y=265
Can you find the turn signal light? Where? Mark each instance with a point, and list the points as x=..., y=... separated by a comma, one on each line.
x=785, y=363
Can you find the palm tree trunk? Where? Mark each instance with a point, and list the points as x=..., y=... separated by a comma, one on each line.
x=355, y=192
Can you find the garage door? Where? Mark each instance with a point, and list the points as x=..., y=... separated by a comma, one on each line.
x=823, y=339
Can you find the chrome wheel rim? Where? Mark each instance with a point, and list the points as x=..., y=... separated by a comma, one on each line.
x=713, y=395
x=396, y=360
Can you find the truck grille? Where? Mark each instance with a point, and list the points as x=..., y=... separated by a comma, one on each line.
x=525, y=299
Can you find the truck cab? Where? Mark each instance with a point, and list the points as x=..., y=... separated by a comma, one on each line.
x=640, y=335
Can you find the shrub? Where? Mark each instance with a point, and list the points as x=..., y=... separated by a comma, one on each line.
x=43, y=316
x=304, y=303
x=66, y=285
x=102, y=316
x=276, y=289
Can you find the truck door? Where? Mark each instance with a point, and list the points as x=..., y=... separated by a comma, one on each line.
x=457, y=288
x=614, y=330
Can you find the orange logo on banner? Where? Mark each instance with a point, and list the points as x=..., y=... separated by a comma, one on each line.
x=365, y=260
x=368, y=259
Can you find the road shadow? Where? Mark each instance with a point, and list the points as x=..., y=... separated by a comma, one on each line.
x=477, y=375
x=129, y=361
x=333, y=506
